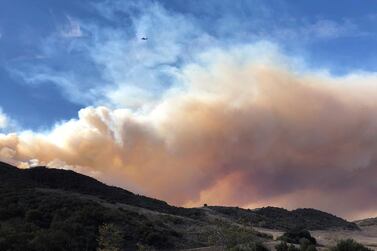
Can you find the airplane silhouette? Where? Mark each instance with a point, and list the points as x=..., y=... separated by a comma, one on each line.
x=144, y=38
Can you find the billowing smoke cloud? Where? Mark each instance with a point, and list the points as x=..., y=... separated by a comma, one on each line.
x=243, y=130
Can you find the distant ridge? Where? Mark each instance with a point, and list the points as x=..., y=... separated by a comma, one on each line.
x=367, y=222
x=282, y=219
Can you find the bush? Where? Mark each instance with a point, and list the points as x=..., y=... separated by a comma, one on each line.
x=349, y=245
x=311, y=248
x=251, y=246
x=295, y=236
x=293, y=248
x=306, y=245
x=110, y=238
x=231, y=236
x=283, y=246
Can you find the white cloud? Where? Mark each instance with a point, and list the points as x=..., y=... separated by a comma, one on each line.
x=72, y=85
x=7, y=124
x=330, y=29
x=3, y=120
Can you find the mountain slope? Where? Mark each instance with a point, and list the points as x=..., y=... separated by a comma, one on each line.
x=52, y=209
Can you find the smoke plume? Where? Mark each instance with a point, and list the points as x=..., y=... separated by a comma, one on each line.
x=237, y=132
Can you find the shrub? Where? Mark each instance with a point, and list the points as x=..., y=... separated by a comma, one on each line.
x=294, y=236
x=311, y=248
x=306, y=245
x=231, y=236
x=349, y=245
x=282, y=246
x=293, y=248
x=110, y=238
x=251, y=246
x=141, y=247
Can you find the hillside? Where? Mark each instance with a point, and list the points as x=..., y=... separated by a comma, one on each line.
x=52, y=209
x=72, y=181
x=282, y=219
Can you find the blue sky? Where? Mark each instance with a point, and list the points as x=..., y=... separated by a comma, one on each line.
x=57, y=57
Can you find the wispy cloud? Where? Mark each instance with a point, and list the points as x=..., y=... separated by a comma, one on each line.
x=72, y=29
x=330, y=29
x=312, y=31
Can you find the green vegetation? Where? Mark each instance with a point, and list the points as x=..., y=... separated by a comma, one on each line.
x=349, y=245
x=35, y=220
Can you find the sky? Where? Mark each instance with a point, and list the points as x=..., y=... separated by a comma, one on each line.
x=243, y=103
